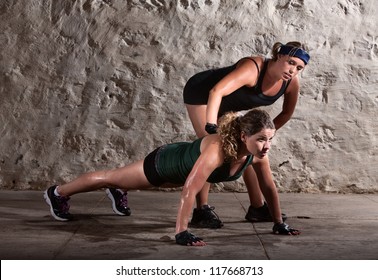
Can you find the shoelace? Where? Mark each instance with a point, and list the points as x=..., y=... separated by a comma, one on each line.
x=123, y=200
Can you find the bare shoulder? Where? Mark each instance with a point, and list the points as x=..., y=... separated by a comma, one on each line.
x=250, y=60
x=211, y=148
x=249, y=68
x=212, y=142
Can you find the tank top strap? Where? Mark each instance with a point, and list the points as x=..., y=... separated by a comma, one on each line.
x=254, y=61
x=263, y=71
x=261, y=77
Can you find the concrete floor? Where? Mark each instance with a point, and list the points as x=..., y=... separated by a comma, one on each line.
x=334, y=227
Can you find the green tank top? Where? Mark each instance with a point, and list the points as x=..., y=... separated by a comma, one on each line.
x=175, y=161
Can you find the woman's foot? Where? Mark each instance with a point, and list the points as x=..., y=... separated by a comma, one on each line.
x=119, y=201
x=59, y=206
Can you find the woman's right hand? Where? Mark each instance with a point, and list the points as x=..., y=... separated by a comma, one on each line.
x=188, y=239
x=211, y=128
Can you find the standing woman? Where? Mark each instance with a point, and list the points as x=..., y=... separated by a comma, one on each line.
x=251, y=82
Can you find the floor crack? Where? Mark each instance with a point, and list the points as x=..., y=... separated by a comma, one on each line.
x=254, y=228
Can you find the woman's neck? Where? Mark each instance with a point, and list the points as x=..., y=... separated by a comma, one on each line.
x=270, y=76
x=242, y=153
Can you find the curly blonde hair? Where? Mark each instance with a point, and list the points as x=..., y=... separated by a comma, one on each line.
x=232, y=124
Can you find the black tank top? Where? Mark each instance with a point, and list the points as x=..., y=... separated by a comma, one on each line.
x=197, y=90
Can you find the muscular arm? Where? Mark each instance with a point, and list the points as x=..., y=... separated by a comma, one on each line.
x=211, y=157
x=245, y=74
x=268, y=187
x=269, y=190
x=289, y=104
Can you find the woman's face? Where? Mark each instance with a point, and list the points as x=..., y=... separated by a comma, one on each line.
x=259, y=144
x=290, y=66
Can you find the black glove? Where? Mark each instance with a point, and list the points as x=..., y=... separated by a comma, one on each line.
x=186, y=238
x=283, y=228
x=211, y=128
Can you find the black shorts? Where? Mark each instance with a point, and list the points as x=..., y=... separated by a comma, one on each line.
x=150, y=168
x=197, y=89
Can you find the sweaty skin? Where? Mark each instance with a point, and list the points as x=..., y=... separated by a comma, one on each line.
x=212, y=157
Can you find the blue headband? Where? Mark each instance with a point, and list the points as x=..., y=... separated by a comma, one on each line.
x=294, y=51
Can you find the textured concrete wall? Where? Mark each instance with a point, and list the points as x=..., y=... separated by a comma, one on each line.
x=93, y=84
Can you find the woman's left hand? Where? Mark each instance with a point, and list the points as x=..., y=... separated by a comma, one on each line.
x=285, y=229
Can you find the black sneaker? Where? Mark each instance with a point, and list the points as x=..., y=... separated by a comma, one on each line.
x=59, y=206
x=261, y=214
x=205, y=217
x=119, y=202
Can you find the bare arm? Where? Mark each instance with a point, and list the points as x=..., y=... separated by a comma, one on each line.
x=245, y=74
x=269, y=190
x=268, y=187
x=211, y=157
x=289, y=104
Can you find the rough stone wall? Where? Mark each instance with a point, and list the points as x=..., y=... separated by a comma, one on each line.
x=93, y=84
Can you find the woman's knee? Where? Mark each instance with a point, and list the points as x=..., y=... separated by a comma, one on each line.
x=197, y=115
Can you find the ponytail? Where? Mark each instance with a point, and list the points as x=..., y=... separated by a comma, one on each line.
x=229, y=131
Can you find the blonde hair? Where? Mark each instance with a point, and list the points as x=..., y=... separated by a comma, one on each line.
x=278, y=45
x=232, y=124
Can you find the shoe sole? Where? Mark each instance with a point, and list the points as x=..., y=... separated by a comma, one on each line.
x=114, y=207
x=48, y=201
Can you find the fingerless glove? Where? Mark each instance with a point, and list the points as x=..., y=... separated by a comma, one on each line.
x=186, y=238
x=283, y=228
x=211, y=128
